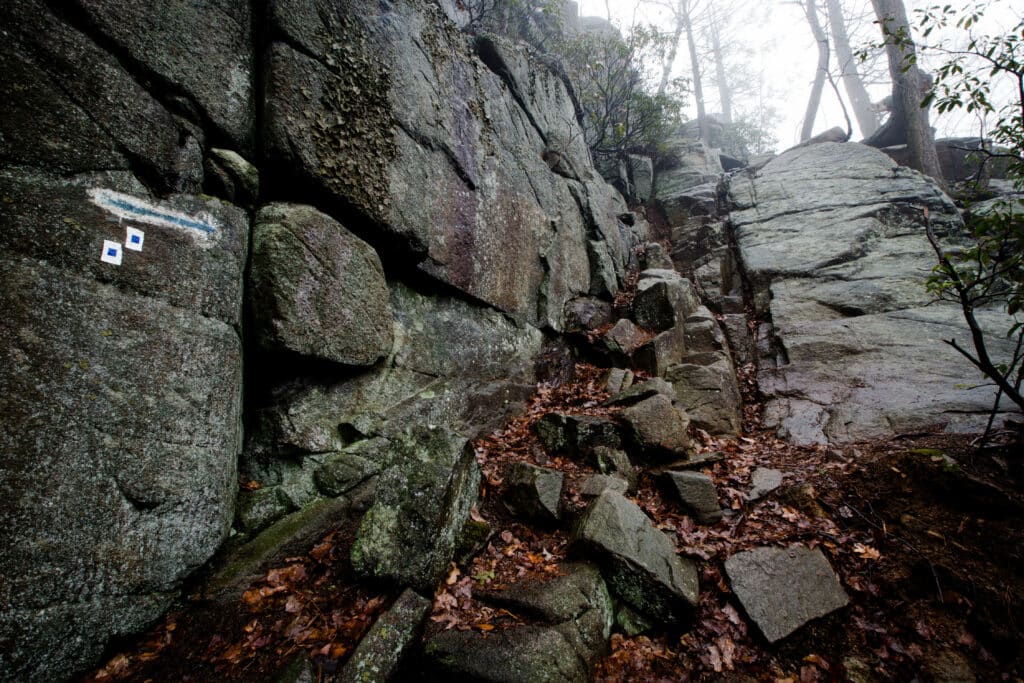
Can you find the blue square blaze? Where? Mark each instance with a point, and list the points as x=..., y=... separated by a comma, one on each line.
x=111, y=252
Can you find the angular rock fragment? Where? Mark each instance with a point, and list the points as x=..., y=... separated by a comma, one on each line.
x=697, y=493
x=574, y=616
x=660, y=353
x=533, y=492
x=596, y=484
x=342, y=472
x=576, y=435
x=409, y=534
x=656, y=427
x=616, y=380
x=256, y=510
x=706, y=384
x=639, y=392
x=614, y=461
x=656, y=257
x=782, y=589
x=639, y=561
x=763, y=481
x=624, y=338
x=662, y=302
x=384, y=647
x=317, y=289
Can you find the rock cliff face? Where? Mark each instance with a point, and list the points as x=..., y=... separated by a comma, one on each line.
x=832, y=239
x=434, y=209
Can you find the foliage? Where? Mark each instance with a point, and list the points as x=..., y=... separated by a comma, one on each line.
x=535, y=21
x=989, y=269
x=622, y=111
x=747, y=136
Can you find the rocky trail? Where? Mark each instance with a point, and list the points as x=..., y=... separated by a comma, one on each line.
x=925, y=542
x=335, y=354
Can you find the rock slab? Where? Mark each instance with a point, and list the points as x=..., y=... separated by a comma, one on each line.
x=832, y=237
x=383, y=648
x=640, y=562
x=317, y=289
x=782, y=589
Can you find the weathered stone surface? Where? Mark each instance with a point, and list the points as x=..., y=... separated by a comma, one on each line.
x=382, y=105
x=383, y=648
x=317, y=289
x=616, y=462
x=702, y=332
x=696, y=492
x=656, y=427
x=656, y=257
x=533, y=492
x=693, y=166
x=642, y=391
x=763, y=481
x=640, y=562
x=231, y=176
x=587, y=314
x=342, y=472
x=782, y=589
x=120, y=397
x=206, y=50
x=71, y=106
x=845, y=260
x=575, y=615
x=58, y=221
x=576, y=435
x=408, y=536
x=596, y=484
x=453, y=364
x=624, y=338
x=256, y=510
x=662, y=302
x=705, y=385
x=615, y=380
x=641, y=171
x=664, y=350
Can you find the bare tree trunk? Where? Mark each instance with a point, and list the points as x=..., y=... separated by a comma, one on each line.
x=908, y=85
x=670, y=60
x=811, y=11
x=724, y=91
x=860, y=102
x=698, y=88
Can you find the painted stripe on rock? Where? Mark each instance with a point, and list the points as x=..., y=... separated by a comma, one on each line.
x=125, y=206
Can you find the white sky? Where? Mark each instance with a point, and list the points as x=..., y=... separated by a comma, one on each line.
x=779, y=40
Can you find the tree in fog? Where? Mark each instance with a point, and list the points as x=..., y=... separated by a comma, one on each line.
x=909, y=85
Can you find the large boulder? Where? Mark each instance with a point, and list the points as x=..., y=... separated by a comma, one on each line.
x=832, y=238
x=640, y=563
x=120, y=404
x=316, y=289
x=408, y=536
x=378, y=106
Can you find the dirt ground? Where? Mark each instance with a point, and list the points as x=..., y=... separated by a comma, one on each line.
x=925, y=533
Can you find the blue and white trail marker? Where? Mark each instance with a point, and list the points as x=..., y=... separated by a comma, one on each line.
x=134, y=239
x=127, y=207
x=112, y=253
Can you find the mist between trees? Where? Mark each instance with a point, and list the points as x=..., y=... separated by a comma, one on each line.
x=747, y=76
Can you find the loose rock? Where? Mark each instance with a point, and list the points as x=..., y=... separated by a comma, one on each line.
x=782, y=589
